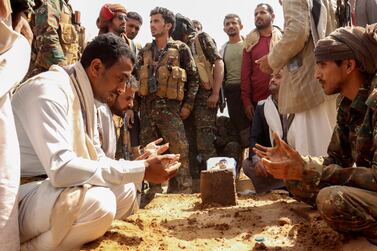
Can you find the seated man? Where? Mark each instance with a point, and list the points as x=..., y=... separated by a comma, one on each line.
x=56, y=126
x=343, y=186
x=14, y=61
x=266, y=120
x=110, y=120
x=114, y=134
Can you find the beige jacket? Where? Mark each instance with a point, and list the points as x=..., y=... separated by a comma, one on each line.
x=253, y=38
x=300, y=91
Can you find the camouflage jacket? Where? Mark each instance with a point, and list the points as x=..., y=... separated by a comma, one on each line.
x=352, y=155
x=186, y=62
x=56, y=38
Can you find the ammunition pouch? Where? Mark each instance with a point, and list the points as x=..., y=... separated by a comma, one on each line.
x=205, y=68
x=69, y=42
x=171, y=82
x=143, y=77
x=163, y=74
x=81, y=38
x=176, y=83
x=205, y=72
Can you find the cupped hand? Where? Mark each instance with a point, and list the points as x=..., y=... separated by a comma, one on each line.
x=281, y=160
x=161, y=168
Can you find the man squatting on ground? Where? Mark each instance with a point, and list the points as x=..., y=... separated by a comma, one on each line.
x=14, y=57
x=343, y=186
x=56, y=126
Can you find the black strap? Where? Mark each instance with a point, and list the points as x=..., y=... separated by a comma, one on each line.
x=316, y=11
x=287, y=122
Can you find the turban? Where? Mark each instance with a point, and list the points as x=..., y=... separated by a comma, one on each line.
x=107, y=13
x=350, y=43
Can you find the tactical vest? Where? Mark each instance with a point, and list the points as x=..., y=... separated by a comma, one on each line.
x=167, y=74
x=69, y=36
x=205, y=68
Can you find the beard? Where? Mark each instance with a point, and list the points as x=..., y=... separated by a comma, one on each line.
x=118, y=29
x=122, y=30
x=232, y=33
x=262, y=24
x=131, y=36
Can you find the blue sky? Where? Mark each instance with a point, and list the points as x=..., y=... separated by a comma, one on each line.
x=210, y=13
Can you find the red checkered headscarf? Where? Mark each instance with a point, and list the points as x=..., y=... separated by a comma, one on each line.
x=106, y=14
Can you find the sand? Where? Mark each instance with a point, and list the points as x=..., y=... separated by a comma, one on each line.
x=181, y=222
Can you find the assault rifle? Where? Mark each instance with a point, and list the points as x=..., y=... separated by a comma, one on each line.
x=222, y=100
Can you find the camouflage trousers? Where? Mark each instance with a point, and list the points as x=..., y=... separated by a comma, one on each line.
x=159, y=117
x=349, y=210
x=200, y=130
x=346, y=209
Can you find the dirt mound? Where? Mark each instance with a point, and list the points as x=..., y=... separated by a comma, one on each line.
x=180, y=222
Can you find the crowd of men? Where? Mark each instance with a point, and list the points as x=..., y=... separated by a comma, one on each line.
x=85, y=124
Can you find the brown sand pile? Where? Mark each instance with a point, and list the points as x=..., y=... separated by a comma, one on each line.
x=180, y=222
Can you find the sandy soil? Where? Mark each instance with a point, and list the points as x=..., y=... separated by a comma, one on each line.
x=180, y=222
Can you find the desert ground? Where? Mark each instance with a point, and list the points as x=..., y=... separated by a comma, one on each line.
x=272, y=221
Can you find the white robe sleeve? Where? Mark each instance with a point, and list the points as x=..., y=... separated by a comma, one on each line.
x=42, y=114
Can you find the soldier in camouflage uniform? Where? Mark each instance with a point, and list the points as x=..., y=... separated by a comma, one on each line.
x=57, y=36
x=201, y=125
x=227, y=142
x=343, y=185
x=168, y=85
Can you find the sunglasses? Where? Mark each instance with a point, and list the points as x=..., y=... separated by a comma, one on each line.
x=121, y=17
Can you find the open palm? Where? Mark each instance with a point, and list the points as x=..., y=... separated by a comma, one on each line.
x=281, y=160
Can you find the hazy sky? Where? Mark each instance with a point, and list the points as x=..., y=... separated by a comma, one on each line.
x=211, y=14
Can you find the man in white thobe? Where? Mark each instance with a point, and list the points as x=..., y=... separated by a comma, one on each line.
x=56, y=124
x=14, y=62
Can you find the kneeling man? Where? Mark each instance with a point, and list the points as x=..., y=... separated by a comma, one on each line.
x=55, y=119
x=343, y=186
